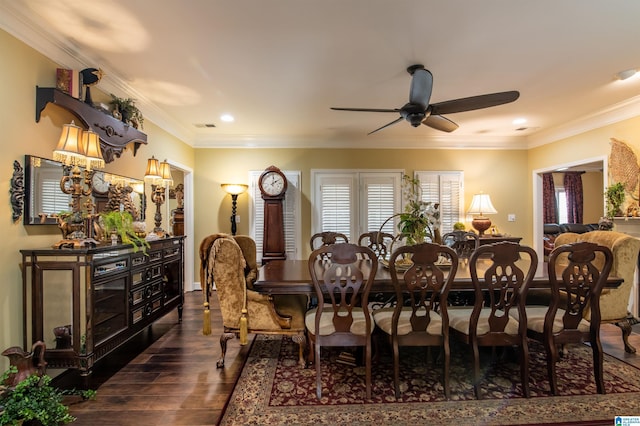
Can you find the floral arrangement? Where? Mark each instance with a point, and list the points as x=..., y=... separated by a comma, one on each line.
x=420, y=219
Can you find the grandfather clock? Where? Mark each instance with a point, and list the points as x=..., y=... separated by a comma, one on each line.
x=273, y=186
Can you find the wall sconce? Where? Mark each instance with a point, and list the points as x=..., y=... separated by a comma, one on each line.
x=481, y=205
x=77, y=148
x=159, y=175
x=234, y=190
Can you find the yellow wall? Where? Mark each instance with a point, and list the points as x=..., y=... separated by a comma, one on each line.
x=216, y=166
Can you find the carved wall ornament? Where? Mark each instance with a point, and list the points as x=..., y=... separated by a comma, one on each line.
x=17, y=191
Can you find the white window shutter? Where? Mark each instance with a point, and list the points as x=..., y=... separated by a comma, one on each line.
x=446, y=188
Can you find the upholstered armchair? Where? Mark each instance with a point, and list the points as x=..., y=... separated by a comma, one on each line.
x=613, y=301
x=229, y=262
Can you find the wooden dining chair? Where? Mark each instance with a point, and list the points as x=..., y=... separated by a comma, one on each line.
x=502, y=272
x=462, y=242
x=327, y=238
x=342, y=275
x=420, y=315
x=379, y=242
x=577, y=274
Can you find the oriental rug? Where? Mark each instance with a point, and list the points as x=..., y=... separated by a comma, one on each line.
x=274, y=390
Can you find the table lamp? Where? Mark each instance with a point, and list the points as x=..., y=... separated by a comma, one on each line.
x=481, y=205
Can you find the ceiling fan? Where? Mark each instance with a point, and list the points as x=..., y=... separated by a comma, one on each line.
x=419, y=111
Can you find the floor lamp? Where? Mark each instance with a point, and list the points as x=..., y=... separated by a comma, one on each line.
x=234, y=190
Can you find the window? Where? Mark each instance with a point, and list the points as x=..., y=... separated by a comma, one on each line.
x=291, y=212
x=446, y=188
x=354, y=202
x=561, y=202
x=50, y=200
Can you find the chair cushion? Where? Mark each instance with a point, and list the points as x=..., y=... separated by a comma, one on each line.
x=459, y=319
x=383, y=317
x=535, y=319
x=358, y=326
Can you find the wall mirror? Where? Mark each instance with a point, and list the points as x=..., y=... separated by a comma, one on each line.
x=44, y=199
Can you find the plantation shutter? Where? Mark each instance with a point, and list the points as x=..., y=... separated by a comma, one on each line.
x=336, y=198
x=379, y=202
x=447, y=189
x=51, y=200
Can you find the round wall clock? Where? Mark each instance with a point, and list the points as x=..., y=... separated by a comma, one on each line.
x=100, y=185
x=272, y=182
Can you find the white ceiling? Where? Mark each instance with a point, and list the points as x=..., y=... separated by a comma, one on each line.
x=278, y=66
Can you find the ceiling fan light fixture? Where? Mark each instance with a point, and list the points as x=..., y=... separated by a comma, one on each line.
x=623, y=75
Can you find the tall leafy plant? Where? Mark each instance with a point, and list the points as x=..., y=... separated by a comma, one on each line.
x=615, y=197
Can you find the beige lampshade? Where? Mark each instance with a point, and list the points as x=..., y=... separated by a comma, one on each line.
x=153, y=170
x=165, y=173
x=70, y=149
x=93, y=152
x=481, y=205
x=234, y=188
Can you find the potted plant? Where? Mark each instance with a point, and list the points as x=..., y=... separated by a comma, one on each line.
x=420, y=219
x=120, y=225
x=34, y=401
x=125, y=109
x=615, y=197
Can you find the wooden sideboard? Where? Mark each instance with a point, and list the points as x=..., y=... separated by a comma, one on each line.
x=84, y=303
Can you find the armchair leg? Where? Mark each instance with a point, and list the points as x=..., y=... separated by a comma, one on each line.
x=223, y=346
x=625, y=326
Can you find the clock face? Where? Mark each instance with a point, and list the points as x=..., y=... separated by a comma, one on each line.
x=273, y=183
x=100, y=185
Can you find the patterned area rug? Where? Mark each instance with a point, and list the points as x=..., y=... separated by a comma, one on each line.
x=273, y=390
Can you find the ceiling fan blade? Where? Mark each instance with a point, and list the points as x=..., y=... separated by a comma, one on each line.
x=367, y=109
x=386, y=125
x=421, y=85
x=439, y=122
x=474, y=102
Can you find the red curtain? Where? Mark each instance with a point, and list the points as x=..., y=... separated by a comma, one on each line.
x=573, y=189
x=549, y=209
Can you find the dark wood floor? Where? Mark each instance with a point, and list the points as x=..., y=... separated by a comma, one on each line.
x=167, y=374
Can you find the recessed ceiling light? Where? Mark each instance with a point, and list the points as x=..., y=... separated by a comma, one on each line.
x=228, y=118
x=623, y=75
x=519, y=121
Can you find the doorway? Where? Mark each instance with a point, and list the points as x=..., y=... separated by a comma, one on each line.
x=599, y=164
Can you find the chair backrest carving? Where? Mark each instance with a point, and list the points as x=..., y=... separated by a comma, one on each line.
x=585, y=267
x=462, y=242
x=327, y=238
x=504, y=272
x=379, y=242
x=344, y=273
x=426, y=284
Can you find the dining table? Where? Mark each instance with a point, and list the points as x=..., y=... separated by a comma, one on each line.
x=291, y=276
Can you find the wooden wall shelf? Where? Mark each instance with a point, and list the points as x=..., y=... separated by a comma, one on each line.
x=114, y=134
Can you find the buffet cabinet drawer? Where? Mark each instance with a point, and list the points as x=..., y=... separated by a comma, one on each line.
x=143, y=276
x=145, y=310
x=146, y=292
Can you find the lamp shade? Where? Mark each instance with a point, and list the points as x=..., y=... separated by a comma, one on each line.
x=234, y=188
x=165, y=173
x=153, y=169
x=93, y=152
x=70, y=149
x=481, y=205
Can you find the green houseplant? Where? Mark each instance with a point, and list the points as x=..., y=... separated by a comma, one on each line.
x=615, y=197
x=35, y=401
x=120, y=224
x=128, y=111
x=420, y=219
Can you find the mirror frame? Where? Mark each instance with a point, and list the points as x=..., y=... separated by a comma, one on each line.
x=31, y=217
